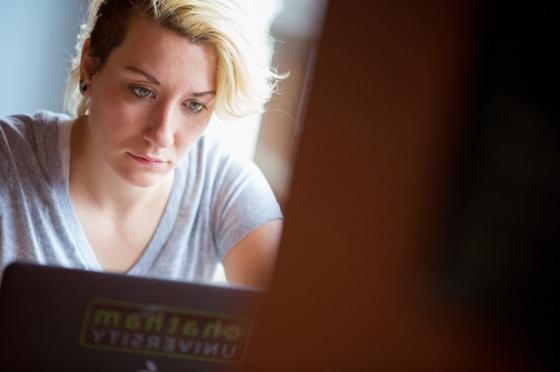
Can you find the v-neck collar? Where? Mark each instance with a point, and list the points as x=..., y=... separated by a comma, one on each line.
x=160, y=235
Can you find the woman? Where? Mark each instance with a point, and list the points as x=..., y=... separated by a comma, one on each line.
x=129, y=183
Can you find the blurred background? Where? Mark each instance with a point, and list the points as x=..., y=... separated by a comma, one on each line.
x=36, y=44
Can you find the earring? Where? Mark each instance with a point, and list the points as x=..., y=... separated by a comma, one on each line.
x=83, y=86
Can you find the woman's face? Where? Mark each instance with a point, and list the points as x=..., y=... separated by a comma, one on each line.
x=150, y=102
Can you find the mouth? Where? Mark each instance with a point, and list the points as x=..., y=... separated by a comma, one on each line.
x=147, y=160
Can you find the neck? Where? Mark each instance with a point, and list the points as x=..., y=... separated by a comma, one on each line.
x=94, y=184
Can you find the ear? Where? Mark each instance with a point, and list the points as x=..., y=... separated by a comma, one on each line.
x=88, y=65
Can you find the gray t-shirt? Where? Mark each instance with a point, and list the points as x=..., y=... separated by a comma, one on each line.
x=216, y=200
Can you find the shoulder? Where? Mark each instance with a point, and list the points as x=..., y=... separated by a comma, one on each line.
x=41, y=117
x=29, y=144
x=221, y=171
x=227, y=183
x=16, y=129
x=218, y=160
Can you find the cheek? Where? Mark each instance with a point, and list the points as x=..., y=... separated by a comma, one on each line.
x=110, y=111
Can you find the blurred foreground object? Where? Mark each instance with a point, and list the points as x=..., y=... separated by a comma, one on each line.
x=382, y=264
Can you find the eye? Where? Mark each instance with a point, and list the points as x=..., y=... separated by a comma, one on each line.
x=141, y=92
x=195, y=106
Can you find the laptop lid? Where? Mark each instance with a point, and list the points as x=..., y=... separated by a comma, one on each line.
x=67, y=319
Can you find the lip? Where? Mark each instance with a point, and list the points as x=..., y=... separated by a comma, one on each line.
x=146, y=159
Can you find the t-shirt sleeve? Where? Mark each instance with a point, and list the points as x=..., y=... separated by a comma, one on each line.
x=243, y=201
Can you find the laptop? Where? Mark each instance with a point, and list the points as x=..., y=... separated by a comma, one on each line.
x=66, y=319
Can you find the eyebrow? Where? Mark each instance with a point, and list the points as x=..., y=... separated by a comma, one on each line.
x=152, y=79
x=208, y=93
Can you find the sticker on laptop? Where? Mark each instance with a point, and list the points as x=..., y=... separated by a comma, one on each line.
x=164, y=331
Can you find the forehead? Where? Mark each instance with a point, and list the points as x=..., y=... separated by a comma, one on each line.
x=165, y=52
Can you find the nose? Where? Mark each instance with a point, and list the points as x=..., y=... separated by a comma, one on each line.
x=160, y=129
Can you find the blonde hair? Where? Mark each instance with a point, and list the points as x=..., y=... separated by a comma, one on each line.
x=245, y=82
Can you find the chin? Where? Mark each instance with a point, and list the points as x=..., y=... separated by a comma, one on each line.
x=145, y=179
x=144, y=183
